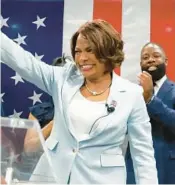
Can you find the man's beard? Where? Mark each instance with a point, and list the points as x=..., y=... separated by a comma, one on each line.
x=158, y=73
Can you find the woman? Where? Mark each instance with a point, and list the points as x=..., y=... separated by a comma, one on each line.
x=94, y=109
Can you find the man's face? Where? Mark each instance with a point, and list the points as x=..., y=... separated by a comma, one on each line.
x=153, y=61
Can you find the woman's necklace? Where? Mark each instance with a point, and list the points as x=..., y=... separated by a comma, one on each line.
x=94, y=93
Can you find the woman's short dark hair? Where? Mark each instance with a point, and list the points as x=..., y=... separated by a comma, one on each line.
x=105, y=41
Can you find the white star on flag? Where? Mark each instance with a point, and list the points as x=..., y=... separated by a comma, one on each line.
x=17, y=78
x=4, y=21
x=20, y=39
x=35, y=97
x=38, y=57
x=2, y=94
x=15, y=114
x=39, y=22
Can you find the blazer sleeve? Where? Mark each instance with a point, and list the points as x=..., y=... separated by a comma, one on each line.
x=27, y=66
x=161, y=112
x=141, y=144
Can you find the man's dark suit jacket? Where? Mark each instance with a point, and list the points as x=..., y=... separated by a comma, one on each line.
x=162, y=117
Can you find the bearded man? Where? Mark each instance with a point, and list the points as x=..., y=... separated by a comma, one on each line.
x=159, y=95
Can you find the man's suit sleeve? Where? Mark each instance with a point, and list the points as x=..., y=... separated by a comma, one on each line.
x=161, y=112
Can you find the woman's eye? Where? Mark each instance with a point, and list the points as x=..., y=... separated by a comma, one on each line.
x=89, y=50
x=76, y=51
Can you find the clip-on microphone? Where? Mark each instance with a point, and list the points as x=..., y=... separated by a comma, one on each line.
x=110, y=109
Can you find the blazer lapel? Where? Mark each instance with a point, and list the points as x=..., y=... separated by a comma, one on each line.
x=70, y=87
x=164, y=89
x=113, y=100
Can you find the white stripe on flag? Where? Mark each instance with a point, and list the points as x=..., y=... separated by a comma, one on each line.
x=76, y=12
x=135, y=33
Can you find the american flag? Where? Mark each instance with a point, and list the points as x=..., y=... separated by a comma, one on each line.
x=44, y=28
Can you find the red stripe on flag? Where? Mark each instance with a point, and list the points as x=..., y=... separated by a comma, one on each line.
x=110, y=11
x=163, y=30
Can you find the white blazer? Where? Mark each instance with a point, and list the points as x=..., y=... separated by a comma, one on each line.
x=98, y=158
